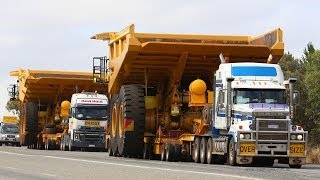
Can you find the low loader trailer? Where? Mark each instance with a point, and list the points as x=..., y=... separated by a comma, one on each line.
x=205, y=98
x=46, y=100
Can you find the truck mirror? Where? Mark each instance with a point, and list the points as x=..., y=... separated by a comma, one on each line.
x=296, y=97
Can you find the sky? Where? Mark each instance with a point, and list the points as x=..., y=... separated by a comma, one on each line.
x=55, y=34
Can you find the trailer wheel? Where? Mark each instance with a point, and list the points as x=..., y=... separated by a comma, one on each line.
x=170, y=153
x=31, y=126
x=131, y=120
x=295, y=166
x=113, y=125
x=163, y=152
x=177, y=152
x=203, y=150
x=196, y=150
x=209, y=151
x=232, y=153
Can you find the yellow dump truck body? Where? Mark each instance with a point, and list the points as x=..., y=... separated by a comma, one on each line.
x=163, y=57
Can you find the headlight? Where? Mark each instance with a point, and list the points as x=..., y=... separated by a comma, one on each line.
x=241, y=136
x=293, y=137
x=299, y=137
x=76, y=136
x=247, y=136
x=17, y=136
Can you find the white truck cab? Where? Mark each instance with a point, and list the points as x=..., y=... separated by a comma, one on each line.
x=88, y=117
x=251, y=109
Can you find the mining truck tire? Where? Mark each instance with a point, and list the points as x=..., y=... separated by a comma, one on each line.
x=131, y=107
x=113, y=125
x=31, y=120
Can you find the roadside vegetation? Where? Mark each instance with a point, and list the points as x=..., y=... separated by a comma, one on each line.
x=307, y=70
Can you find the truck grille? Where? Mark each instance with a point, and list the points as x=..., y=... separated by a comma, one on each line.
x=273, y=125
x=268, y=136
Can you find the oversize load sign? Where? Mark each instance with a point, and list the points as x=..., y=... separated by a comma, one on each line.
x=247, y=149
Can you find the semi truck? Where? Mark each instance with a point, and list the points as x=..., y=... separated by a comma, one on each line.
x=205, y=98
x=45, y=121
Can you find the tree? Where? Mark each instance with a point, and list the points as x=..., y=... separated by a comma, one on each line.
x=312, y=81
x=295, y=68
x=13, y=107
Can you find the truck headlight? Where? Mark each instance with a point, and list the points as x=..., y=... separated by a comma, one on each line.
x=17, y=136
x=247, y=136
x=299, y=137
x=241, y=136
x=293, y=137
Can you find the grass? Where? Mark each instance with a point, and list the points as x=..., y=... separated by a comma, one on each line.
x=313, y=155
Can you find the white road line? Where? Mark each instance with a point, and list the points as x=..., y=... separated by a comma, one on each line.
x=136, y=166
x=46, y=174
x=8, y=167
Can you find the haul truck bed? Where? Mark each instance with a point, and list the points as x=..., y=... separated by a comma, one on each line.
x=40, y=95
x=182, y=56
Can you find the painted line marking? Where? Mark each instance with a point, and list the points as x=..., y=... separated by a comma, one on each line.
x=46, y=174
x=136, y=166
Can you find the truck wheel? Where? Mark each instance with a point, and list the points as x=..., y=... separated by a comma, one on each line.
x=209, y=151
x=131, y=120
x=170, y=152
x=232, y=153
x=31, y=120
x=196, y=150
x=203, y=150
x=113, y=124
x=163, y=152
x=177, y=152
x=295, y=166
x=71, y=148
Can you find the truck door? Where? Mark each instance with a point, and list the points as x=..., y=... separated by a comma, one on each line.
x=221, y=120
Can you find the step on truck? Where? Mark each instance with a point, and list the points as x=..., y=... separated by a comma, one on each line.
x=46, y=98
x=202, y=98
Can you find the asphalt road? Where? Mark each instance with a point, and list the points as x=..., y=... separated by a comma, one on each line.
x=23, y=163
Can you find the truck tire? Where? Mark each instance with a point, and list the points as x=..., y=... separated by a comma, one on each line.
x=170, y=152
x=209, y=151
x=177, y=152
x=31, y=126
x=232, y=153
x=131, y=107
x=203, y=150
x=113, y=125
x=295, y=166
x=196, y=150
x=163, y=152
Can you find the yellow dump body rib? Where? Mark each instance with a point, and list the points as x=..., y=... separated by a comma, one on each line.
x=48, y=87
x=160, y=55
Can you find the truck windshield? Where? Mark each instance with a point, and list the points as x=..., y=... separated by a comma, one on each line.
x=9, y=129
x=269, y=96
x=96, y=113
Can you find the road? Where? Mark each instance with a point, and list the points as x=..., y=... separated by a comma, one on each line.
x=23, y=163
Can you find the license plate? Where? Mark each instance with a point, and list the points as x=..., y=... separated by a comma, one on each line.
x=247, y=149
x=273, y=126
x=92, y=145
x=296, y=149
x=92, y=123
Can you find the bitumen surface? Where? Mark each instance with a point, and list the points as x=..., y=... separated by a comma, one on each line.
x=23, y=163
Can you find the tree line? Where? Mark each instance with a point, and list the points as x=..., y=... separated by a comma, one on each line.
x=307, y=71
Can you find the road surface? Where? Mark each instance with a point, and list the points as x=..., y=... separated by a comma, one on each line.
x=23, y=163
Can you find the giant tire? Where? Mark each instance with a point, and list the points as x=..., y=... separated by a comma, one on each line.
x=31, y=126
x=113, y=125
x=131, y=106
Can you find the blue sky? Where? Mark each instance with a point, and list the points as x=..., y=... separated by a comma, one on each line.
x=54, y=34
